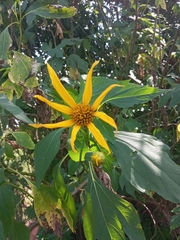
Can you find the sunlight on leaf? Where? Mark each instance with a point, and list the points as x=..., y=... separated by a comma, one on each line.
x=68, y=205
x=126, y=96
x=146, y=164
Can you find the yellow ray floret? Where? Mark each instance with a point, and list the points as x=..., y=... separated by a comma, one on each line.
x=81, y=114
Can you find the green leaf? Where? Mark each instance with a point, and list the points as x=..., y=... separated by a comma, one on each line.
x=81, y=148
x=23, y=139
x=58, y=51
x=175, y=222
x=73, y=167
x=44, y=153
x=124, y=183
x=172, y=97
x=107, y=215
x=1, y=232
x=75, y=61
x=68, y=205
x=47, y=204
x=145, y=163
x=9, y=88
x=126, y=96
x=13, y=109
x=161, y=3
x=19, y=231
x=48, y=11
x=176, y=209
x=21, y=68
x=70, y=42
x=106, y=129
x=6, y=207
x=8, y=150
x=1, y=176
x=132, y=94
x=5, y=43
x=31, y=82
x=2, y=150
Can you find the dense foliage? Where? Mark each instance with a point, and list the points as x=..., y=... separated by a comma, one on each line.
x=46, y=187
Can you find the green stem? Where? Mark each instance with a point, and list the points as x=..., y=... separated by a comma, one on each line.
x=21, y=175
x=19, y=188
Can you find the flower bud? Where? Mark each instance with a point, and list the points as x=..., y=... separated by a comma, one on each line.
x=98, y=158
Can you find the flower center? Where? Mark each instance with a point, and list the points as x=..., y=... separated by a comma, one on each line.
x=82, y=114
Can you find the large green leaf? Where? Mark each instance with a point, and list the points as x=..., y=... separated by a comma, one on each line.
x=23, y=139
x=5, y=43
x=172, y=97
x=107, y=215
x=44, y=153
x=68, y=205
x=21, y=67
x=6, y=207
x=146, y=164
x=48, y=11
x=126, y=96
x=1, y=232
x=13, y=109
x=19, y=231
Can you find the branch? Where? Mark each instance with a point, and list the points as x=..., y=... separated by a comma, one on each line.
x=169, y=57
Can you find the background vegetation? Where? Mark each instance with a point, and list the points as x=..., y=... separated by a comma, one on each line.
x=138, y=43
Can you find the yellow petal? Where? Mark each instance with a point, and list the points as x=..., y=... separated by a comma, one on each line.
x=60, y=88
x=57, y=106
x=98, y=158
x=98, y=136
x=178, y=132
x=73, y=136
x=63, y=124
x=99, y=99
x=87, y=95
x=106, y=118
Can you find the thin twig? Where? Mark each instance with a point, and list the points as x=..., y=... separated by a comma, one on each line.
x=83, y=184
x=133, y=36
x=169, y=57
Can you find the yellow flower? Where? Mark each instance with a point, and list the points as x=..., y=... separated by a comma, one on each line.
x=81, y=114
